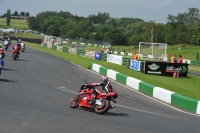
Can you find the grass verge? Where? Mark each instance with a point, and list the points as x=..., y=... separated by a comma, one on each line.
x=17, y=23
x=27, y=35
x=189, y=87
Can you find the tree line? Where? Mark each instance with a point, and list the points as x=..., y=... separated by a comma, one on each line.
x=184, y=28
x=25, y=14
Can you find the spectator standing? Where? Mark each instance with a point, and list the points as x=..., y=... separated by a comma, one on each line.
x=135, y=56
x=180, y=60
x=173, y=59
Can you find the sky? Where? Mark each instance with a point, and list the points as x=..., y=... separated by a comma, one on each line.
x=147, y=10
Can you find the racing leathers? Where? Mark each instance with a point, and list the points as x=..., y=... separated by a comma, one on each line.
x=16, y=49
x=106, y=87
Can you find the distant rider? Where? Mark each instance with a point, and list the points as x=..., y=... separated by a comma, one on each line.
x=5, y=43
x=16, y=49
x=22, y=44
x=2, y=51
x=1, y=63
x=9, y=41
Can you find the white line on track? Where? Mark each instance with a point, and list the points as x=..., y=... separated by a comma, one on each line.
x=127, y=87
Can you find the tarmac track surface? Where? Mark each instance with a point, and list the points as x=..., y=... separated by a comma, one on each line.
x=35, y=91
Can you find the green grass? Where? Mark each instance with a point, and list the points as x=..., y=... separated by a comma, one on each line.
x=27, y=35
x=189, y=87
x=17, y=23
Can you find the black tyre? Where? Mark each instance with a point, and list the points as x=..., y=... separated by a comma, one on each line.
x=104, y=108
x=74, y=103
x=15, y=57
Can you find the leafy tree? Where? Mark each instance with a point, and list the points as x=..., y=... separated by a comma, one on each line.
x=15, y=13
x=135, y=39
x=4, y=15
x=27, y=14
x=52, y=25
x=115, y=36
x=33, y=23
x=110, y=22
x=8, y=17
x=192, y=22
x=149, y=30
x=22, y=13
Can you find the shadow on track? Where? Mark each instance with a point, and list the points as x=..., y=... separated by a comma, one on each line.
x=117, y=114
x=24, y=52
x=6, y=80
x=107, y=113
x=20, y=60
x=7, y=69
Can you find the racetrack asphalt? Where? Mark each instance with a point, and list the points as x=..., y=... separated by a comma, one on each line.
x=35, y=91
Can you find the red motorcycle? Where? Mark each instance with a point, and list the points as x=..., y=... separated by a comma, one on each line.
x=102, y=103
x=2, y=53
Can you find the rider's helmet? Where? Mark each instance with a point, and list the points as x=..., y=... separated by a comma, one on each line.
x=104, y=78
x=19, y=40
x=6, y=42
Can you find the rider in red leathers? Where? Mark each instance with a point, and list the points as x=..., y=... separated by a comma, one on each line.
x=105, y=84
x=2, y=51
x=16, y=49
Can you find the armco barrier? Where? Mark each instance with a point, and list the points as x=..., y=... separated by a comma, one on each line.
x=104, y=57
x=54, y=47
x=162, y=94
x=125, y=60
x=65, y=49
x=60, y=48
x=45, y=45
x=80, y=52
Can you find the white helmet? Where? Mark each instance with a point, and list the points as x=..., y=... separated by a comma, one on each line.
x=6, y=42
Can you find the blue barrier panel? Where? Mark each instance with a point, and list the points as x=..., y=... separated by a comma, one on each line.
x=97, y=56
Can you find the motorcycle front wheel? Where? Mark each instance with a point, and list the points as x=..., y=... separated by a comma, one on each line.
x=74, y=103
x=103, y=108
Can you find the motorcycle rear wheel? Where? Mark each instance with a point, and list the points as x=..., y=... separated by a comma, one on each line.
x=74, y=103
x=103, y=109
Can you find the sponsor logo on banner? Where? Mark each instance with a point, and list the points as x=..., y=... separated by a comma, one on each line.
x=182, y=69
x=154, y=72
x=153, y=66
x=114, y=59
x=135, y=65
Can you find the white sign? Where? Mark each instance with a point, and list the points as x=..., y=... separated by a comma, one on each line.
x=114, y=59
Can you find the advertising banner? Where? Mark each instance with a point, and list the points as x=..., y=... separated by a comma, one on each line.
x=97, y=56
x=114, y=59
x=166, y=69
x=135, y=65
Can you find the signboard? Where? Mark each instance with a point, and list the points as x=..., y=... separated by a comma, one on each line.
x=97, y=56
x=135, y=65
x=166, y=69
x=153, y=68
x=114, y=59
